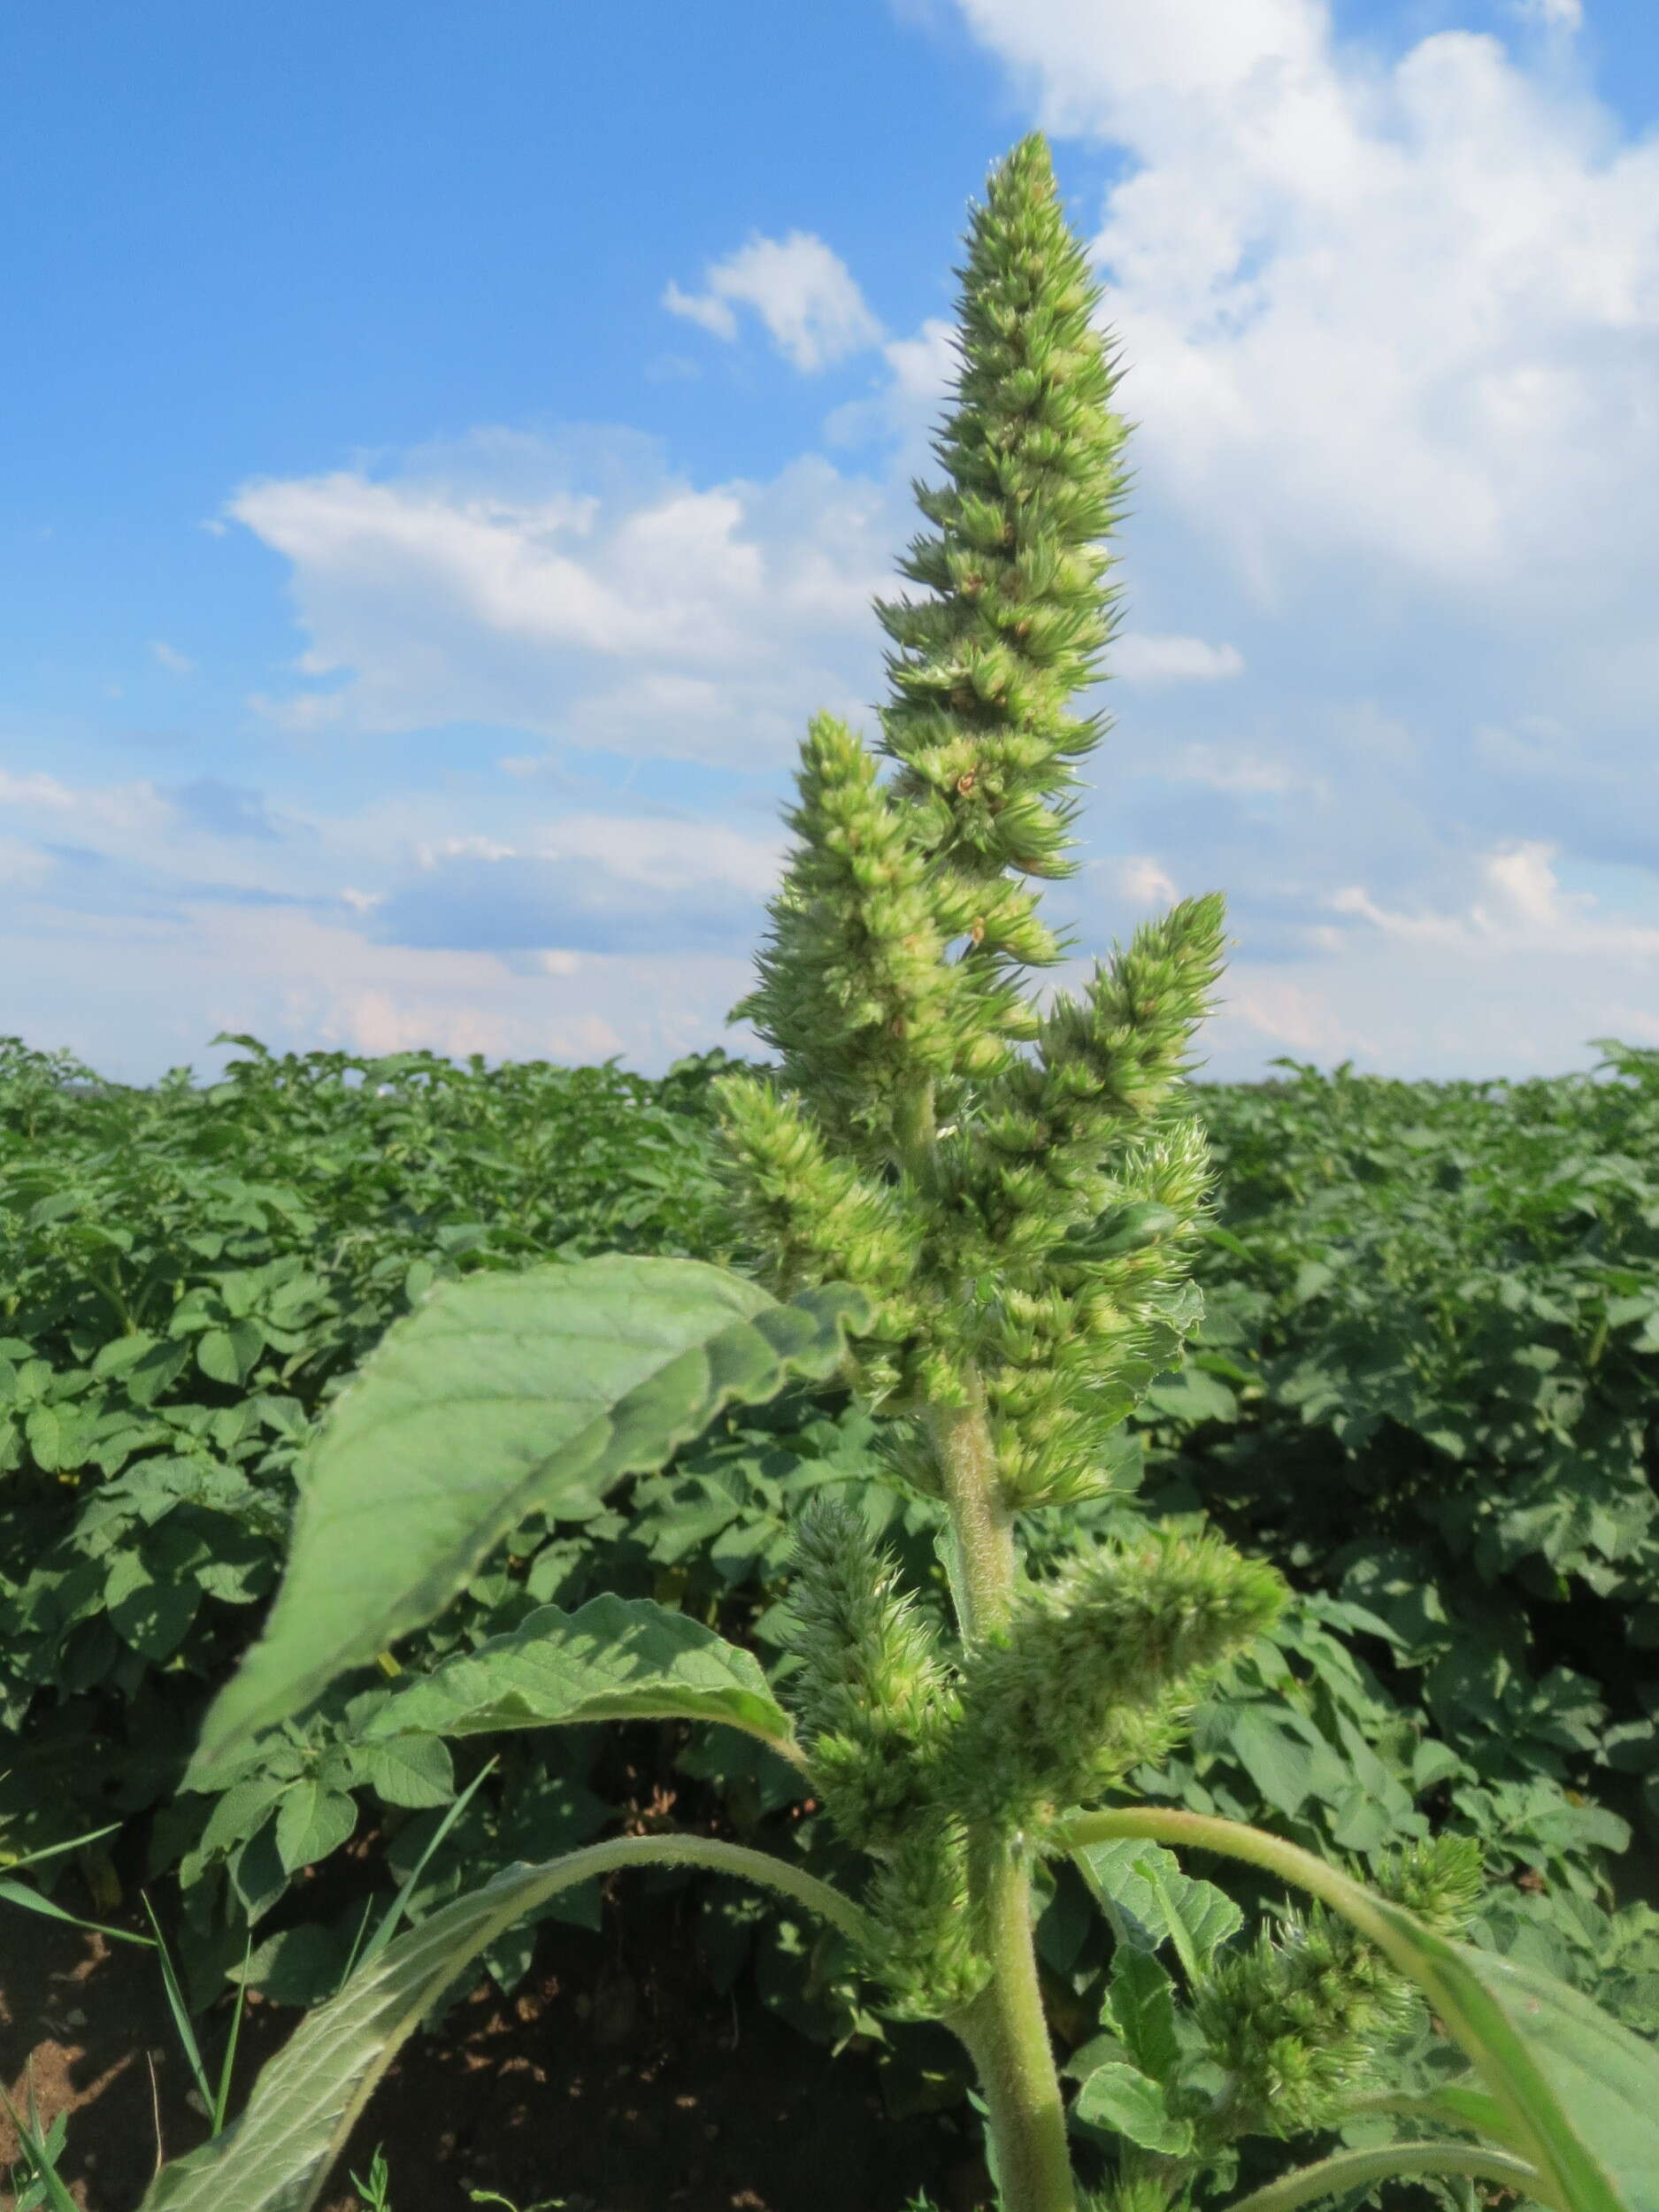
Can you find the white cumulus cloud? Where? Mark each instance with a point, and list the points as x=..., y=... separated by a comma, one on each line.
x=800, y=289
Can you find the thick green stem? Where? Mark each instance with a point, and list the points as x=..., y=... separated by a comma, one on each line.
x=1391, y=2162
x=1006, y=2034
x=981, y=1526
x=916, y=1127
x=1005, y=2029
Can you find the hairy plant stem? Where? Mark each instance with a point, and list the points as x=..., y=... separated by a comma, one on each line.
x=1006, y=2035
x=1004, y=2030
x=981, y=1526
x=736, y=1859
x=1389, y=2162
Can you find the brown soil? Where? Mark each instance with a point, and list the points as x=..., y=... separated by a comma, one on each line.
x=612, y=2080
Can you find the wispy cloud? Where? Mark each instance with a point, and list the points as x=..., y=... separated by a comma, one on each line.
x=1555, y=15
x=171, y=657
x=1177, y=660
x=1520, y=908
x=801, y=290
x=663, y=621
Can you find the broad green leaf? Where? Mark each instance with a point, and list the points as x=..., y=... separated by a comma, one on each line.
x=617, y=1659
x=1123, y=2100
x=1286, y=1772
x=1140, y=1888
x=278, y=2156
x=257, y=1872
x=1582, y=2093
x=121, y=1352
x=1192, y=1396
x=502, y=1396
x=413, y=1770
x=312, y=1820
x=230, y=1355
x=241, y=1810
x=1141, y=2000
x=148, y=1611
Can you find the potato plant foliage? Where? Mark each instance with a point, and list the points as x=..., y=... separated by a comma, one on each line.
x=1045, y=1469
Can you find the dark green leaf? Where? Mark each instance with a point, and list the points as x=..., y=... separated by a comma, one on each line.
x=1140, y=1999
x=617, y=1659
x=1121, y=2101
x=503, y=1394
x=313, y=1821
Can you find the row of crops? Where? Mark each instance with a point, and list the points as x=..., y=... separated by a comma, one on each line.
x=1426, y=1387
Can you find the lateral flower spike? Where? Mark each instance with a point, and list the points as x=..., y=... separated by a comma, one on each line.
x=1106, y=1071
x=855, y=991
x=1299, y=2021
x=873, y=1695
x=1135, y=2193
x=931, y=1963
x=1096, y=1672
x=816, y=1219
x=1063, y=1365
x=1068, y=1335
x=875, y=1699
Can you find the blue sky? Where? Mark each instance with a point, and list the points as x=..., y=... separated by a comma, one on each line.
x=453, y=452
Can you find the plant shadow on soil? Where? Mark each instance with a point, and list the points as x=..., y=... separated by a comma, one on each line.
x=614, y=2080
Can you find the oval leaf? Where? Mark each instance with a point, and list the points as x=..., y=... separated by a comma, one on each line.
x=1122, y=2100
x=617, y=1659
x=1140, y=1888
x=313, y=1821
x=501, y=1395
x=414, y=1771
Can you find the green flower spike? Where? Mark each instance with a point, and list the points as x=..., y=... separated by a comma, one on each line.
x=1095, y=1673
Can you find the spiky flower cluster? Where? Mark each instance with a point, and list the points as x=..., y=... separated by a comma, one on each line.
x=1097, y=1672
x=911, y=1747
x=1301, y=2021
x=904, y=1145
x=1018, y=1193
x=1135, y=2195
x=872, y=1699
x=932, y=1961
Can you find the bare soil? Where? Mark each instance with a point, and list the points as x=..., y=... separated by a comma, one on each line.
x=613, y=2080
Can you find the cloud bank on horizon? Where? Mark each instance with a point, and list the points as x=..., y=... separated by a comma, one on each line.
x=1387, y=672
